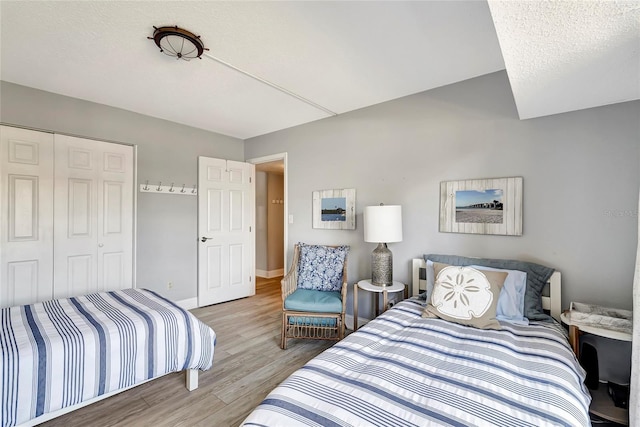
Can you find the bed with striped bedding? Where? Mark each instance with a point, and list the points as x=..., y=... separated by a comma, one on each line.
x=61, y=353
x=404, y=370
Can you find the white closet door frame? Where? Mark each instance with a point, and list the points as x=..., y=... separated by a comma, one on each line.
x=28, y=222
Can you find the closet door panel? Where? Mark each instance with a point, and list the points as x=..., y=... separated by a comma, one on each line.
x=115, y=218
x=23, y=208
x=113, y=271
x=26, y=217
x=94, y=239
x=79, y=221
x=75, y=238
x=80, y=275
x=25, y=275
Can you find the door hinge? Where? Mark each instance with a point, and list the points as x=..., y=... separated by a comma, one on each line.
x=250, y=278
x=249, y=229
x=249, y=180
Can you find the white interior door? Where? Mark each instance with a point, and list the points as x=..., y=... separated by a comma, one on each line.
x=26, y=216
x=93, y=231
x=226, y=216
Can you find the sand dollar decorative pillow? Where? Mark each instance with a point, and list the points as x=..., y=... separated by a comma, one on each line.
x=465, y=295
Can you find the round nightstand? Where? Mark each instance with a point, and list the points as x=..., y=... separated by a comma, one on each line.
x=366, y=285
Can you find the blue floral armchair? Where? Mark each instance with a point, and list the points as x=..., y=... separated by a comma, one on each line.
x=314, y=293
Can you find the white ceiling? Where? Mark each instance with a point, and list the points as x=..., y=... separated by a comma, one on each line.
x=559, y=55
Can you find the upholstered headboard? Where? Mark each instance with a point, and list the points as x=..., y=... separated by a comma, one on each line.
x=552, y=302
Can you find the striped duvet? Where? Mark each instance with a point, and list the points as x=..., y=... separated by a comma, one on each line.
x=403, y=370
x=63, y=352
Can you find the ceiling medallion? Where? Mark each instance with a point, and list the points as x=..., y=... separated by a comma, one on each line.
x=177, y=42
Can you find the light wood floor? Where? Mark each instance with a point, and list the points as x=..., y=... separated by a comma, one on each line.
x=248, y=364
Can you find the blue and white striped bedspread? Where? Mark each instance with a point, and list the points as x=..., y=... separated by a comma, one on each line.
x=403, y=370
x=62, y=352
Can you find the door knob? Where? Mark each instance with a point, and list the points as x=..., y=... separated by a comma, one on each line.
x=100, y=245
x=204, y=239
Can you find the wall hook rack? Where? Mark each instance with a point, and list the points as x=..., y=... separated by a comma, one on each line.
x=168, y=189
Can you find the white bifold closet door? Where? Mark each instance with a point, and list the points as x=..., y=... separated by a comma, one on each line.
x=93, y=228
x=26, y=228
x=66, y=224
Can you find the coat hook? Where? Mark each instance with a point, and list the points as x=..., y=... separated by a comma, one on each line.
x=194, y=189
x=182, y=191
x=159, y=186
x=171, y=190
x=146, y=185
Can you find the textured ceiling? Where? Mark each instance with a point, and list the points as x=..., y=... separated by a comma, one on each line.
x=569, y=55
x=559, y=56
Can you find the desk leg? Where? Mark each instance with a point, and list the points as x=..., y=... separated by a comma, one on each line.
x=574, y=339
x=355, y=306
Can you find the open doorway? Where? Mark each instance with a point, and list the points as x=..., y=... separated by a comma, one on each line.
x=271, y=215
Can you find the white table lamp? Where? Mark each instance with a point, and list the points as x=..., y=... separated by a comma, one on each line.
x=382, y=225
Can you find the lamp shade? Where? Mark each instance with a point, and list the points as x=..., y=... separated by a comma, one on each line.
x=383, y=224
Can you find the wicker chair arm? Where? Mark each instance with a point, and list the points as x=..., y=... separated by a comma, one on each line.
x=289, y=282
x=343, y=295
x=344, y=287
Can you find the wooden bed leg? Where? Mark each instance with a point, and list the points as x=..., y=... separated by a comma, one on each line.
x=191, y=379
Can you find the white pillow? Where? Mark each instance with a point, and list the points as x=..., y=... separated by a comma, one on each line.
x=511, y=300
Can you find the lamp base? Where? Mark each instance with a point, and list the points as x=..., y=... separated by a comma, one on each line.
x=381, y=266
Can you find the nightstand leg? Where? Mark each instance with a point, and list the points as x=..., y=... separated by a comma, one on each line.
x=574, y=339
x=376, y=303
x=355, y=307
x=384, y=301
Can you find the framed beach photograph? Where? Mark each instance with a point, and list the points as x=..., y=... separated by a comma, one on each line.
x=334, y=209
x=482, y=206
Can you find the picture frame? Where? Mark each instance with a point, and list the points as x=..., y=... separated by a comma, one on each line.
x=482, y=206
x=334, y=209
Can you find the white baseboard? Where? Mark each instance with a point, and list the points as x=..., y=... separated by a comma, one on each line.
x=270, y=273
x=188, y=304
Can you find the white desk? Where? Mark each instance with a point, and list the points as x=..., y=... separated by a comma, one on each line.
x=366, y=285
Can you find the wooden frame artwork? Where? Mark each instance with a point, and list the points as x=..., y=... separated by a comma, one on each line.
x=482, y=206
x=334, y=209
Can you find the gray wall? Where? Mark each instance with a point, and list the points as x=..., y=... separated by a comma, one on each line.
x=269, y=224
x=581, y=178
x=167, y=152
x=275, y=219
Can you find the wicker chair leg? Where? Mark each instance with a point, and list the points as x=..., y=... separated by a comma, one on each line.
x=283, y=332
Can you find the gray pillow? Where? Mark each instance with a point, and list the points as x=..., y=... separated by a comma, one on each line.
x=537, y=277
